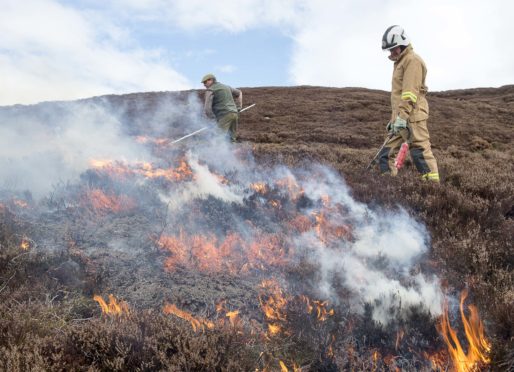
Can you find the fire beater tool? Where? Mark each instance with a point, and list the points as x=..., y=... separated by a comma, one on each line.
x=247, y=107
x=402, y=154
x=204, y=128
x=374, y=160
x=188, y=135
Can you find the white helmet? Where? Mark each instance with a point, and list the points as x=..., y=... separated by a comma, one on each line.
x=394, y=36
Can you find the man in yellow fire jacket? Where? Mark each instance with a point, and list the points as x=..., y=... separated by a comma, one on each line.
x=409, y=106
x=223, y=103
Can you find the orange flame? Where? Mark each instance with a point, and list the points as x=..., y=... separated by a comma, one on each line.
x=20, y=203
x=330, y=350
x=25, y=243
x=301, y=223
x=273, y=306
x=275, y=204
x=274, y=329
x=328, y=231
x=259, y=187
x=182, y=172
x=155, y=141
x=201, y=252
x=375, y=356
x=116, y=168
x=142, y=139
x=322, y=313
x=233, y=317
x=100, y=163
x=283, y=367
x=220, y=306
x=112, y=168
x=289, y=183
x=325, y=199
x=196, y=323
x=161, y=141
x=233, y=254
x=479, y=347
x=103, y=203
x=113, y=307
x=221, y=179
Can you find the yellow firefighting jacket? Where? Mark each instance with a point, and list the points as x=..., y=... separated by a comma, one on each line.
x=408, y=87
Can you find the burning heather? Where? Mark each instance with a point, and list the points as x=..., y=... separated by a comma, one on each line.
x=209, y=247
x=479, y=346
x=114, y=307
x=196, y=322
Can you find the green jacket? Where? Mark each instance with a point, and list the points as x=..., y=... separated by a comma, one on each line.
x=219, y=100
x=408, y=87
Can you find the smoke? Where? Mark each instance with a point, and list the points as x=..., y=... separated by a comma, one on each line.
x=52, y=143
x=46, y=144
x=160, y=114
x=374, y=254
x=379, y=264
x=205, y=184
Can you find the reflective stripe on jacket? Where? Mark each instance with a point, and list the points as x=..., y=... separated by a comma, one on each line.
x=408, y=87
x=219, y=100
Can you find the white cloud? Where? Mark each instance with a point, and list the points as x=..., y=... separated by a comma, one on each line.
x=465, y=43
x=229, y=15
x=227, y=68
x=49, y=52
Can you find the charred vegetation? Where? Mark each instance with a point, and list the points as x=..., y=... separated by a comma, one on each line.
x=245, y=295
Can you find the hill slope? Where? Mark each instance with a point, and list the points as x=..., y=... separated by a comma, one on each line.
x=48, y=294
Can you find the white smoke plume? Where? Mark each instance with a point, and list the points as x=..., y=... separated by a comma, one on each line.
x=378, y=263
x=204, y=185
x=51, y=143
x=43, y=145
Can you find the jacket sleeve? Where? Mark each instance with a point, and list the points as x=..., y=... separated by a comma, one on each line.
x=238, y=97
x=411, y=87
x=208, y=104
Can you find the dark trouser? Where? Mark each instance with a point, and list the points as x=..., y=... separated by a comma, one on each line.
x=228, y=124
x=420, y=152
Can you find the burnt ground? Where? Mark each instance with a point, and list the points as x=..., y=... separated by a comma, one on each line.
x=49, y=320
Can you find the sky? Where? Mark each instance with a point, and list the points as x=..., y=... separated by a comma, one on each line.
x=69, y=49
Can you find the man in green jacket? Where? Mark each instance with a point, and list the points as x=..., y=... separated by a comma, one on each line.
x=409, y=106
x=223, y=103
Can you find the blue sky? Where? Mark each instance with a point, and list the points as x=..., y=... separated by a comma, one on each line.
x=251, y=58
x=258, y=56
x=59, y=50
